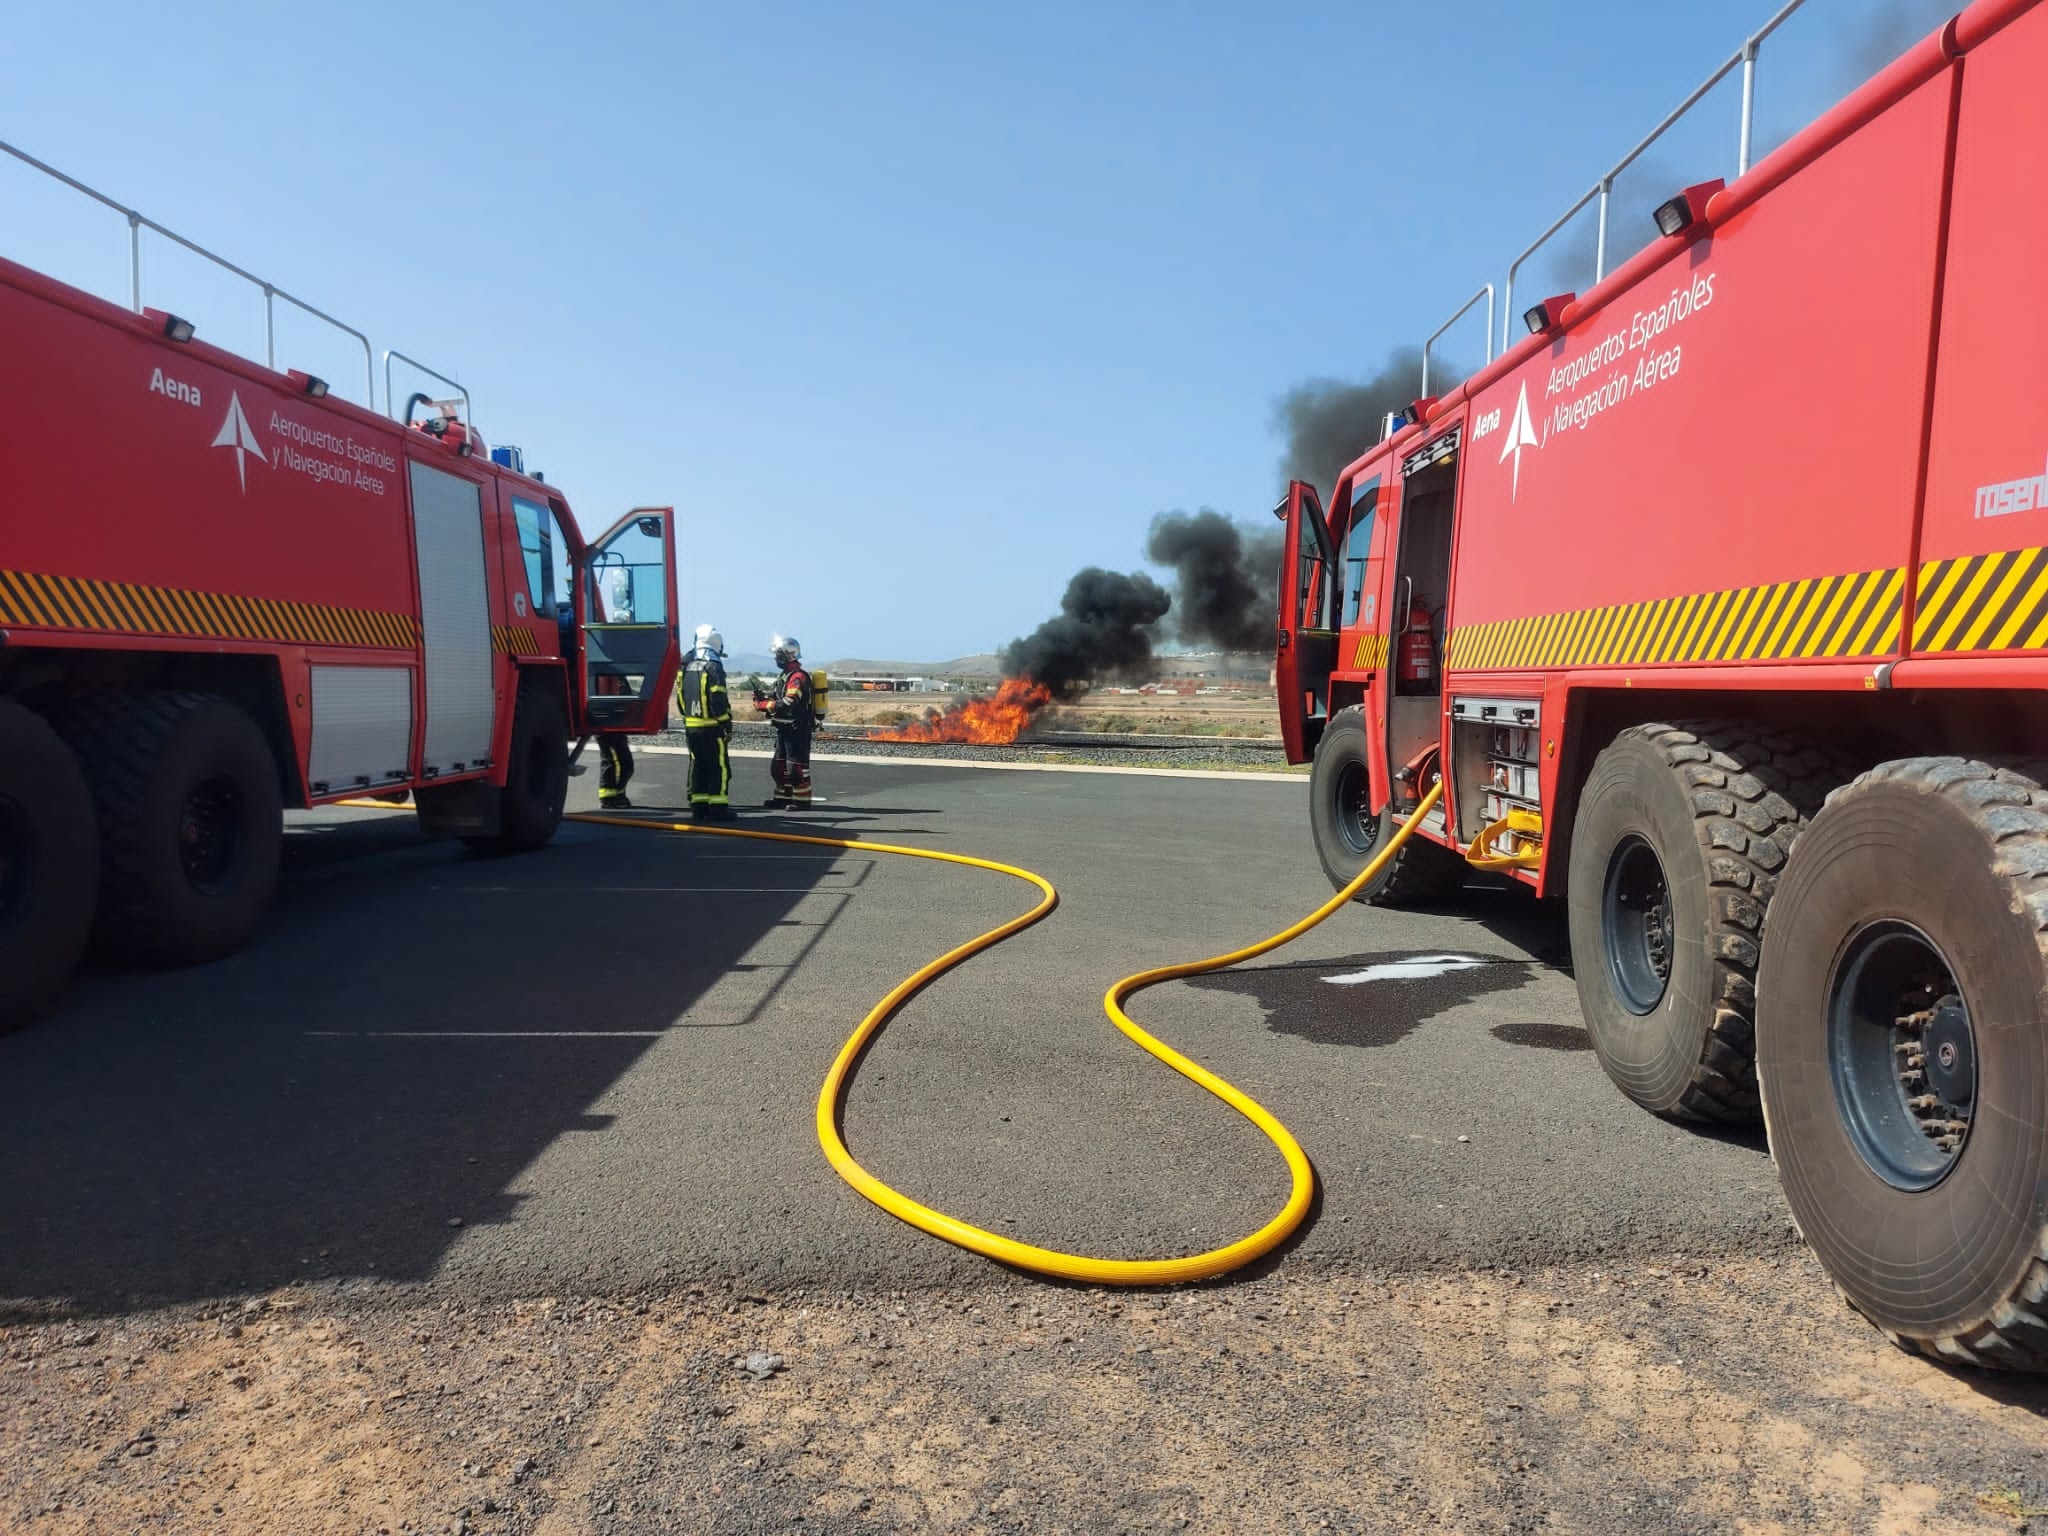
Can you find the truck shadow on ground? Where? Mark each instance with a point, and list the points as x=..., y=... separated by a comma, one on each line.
x=1379, y=999
x=413, y=1028
x=1368, y=1000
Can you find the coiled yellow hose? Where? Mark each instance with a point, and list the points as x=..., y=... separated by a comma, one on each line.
x=1049, y=1261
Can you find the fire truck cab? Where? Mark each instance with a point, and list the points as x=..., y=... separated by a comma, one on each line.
x=225, y=593
x=1760, y=695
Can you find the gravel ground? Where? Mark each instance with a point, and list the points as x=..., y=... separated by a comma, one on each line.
x=1682, y=1396
x=1210, y=759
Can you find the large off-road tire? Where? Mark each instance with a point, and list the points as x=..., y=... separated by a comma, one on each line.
x=536, y=773
x=1349, y=832
x=191, y=823
x=49, y=864
x=1902, y=1051
x=1680, y=835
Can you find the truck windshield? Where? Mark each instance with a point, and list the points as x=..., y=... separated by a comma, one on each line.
x=628, y=577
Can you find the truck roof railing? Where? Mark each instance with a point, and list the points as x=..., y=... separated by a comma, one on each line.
x=138, y=222
x=1463, y=309
x=414, y=363
x=1602, y=190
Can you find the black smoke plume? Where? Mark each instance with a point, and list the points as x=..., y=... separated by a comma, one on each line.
x=1567, y=262
x=1226, y=578
x=1105, y=627
x=1890, y=29
x=1328, y=423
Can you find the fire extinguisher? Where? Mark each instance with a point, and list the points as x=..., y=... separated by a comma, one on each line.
x=1418, y=651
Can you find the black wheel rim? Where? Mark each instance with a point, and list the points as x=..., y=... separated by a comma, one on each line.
x=1903, y=1054
x=1635, y=923
x=17, y=862
x=1356, y=823
x=210, y=835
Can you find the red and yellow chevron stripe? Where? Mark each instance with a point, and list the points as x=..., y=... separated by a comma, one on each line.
x=1995, y=602
x=1371, y=653
x=515, y=640
x=1970, y=603
x=1819, y=618
x=34, y=599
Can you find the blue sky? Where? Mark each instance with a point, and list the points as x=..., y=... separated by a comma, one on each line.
x=911, y=309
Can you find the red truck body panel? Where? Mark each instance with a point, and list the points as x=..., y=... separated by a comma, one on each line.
x=1794, y=448
x=1660, y=469
x=124, y=470
x=175, y=499
x=1986, y=495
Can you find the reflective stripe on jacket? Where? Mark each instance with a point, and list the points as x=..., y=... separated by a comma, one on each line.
x=701, y=695
x=793, y=699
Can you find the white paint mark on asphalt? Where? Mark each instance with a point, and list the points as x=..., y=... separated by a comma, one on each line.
x=1416, y=968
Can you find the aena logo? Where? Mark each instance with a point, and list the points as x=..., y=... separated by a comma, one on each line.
x=236, y=433
x=1521, y=434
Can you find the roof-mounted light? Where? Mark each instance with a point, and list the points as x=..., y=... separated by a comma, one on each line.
x=1678, y=214
x=1417, y=411
x=309, y=385
x=177, y=328
x=1548, y=315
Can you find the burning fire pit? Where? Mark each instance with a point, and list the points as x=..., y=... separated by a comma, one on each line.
x=995, y=721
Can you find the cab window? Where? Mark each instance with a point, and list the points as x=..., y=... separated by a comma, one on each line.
x=1358, y=546
x=537, y=547
x=628, y=576
x=563, y=590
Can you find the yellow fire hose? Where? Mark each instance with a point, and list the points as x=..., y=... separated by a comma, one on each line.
x=1048, y=1261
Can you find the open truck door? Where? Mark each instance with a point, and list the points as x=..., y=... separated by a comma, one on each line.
x=628, y=644
x=1307, y=637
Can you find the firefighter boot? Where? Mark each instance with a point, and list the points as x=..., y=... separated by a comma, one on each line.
x=617, y=755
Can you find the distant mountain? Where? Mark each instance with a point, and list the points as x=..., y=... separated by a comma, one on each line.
x=960, y=666
x=740, y=663
x=1216, y=664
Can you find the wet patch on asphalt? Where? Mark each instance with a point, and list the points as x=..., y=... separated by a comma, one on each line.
x=1544, y=1037
x=1376, y=1000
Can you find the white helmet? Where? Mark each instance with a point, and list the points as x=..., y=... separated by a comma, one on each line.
x=709, y=641
x=785, y=645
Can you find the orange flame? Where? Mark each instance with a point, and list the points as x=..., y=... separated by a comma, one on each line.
x=987, y=722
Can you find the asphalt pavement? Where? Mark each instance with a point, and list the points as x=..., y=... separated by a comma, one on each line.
x=594, y=1067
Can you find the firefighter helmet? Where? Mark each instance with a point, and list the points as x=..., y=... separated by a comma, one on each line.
x=785, y=645
x=709, y=641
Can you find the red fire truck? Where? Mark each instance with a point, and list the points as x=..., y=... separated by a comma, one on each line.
x=226, y=592
x=1719, y=606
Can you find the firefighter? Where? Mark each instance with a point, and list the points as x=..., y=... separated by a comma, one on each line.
x=707, y=726
x=615, y=752
x=790, y=712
